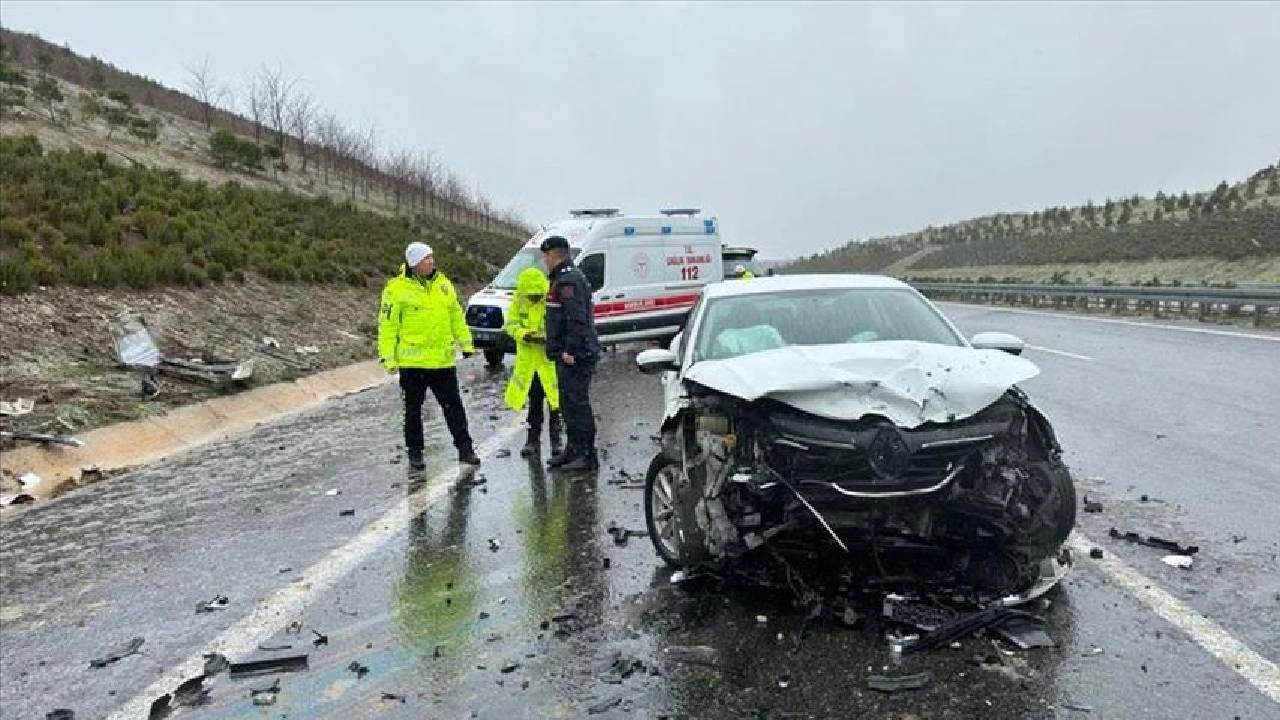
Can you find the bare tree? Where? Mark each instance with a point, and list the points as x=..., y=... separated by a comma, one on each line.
x=277, y=92
x=400, y=166
x=256, y=106
x=302, y=120
x=205, y=89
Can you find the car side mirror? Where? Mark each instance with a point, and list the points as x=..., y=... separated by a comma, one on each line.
x=1011, y=344
x=656, y=360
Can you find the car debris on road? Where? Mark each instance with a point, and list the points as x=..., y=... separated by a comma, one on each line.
x=133, y=647
x=42, y=438
x=217, y=603
x=900, y=683
x=1155, y=542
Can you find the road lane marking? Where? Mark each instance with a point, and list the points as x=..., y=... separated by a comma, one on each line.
x=1256, y=669
x=1116, y=321
x=290, y=601
x=1063, y=353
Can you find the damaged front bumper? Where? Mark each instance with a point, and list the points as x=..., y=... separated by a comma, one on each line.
x=978, y=505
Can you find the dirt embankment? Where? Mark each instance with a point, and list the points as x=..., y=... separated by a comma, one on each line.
x=56, y=345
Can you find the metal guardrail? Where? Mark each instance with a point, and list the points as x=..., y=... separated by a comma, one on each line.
x=1260, y=301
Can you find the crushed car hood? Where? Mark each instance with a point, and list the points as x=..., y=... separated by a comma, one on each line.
x=909, y=383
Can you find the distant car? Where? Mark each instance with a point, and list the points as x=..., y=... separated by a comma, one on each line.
x=845, y=416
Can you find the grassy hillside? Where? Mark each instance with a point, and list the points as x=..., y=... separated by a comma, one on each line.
x=71, y=216
x=1234, y=228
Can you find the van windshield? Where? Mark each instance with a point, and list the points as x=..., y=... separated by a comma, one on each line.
x=526, y=258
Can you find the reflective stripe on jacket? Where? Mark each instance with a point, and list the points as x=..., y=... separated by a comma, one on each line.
x=419, y=322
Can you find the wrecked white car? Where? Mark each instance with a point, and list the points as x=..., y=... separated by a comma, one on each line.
x=841, y=427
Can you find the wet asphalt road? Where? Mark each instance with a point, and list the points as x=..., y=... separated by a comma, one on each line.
x=450, y=627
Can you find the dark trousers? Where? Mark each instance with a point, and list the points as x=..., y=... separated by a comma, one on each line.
x=575, y=403
x=537, y=397
x=443, y=384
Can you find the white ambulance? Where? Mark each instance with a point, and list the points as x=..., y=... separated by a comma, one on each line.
x=646, y=272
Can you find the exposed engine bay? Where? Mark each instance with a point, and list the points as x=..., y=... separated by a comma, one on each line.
x=975, y=508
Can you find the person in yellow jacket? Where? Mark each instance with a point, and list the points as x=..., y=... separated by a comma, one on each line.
x=742, y=273
x=419, y=324
x=534, y=376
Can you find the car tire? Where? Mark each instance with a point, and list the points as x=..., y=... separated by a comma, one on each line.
x=1056, y=513
x=493, y=358
x=661, y=468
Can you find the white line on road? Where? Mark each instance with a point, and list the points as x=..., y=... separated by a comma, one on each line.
x=1063, y=353
x=289, y=602
x=1115, y=321
x=1259, y=671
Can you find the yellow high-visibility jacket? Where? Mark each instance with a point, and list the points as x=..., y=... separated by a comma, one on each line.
x=528, y=314
x=419, y=322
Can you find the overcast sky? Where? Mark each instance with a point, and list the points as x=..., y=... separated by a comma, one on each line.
x=800, y=126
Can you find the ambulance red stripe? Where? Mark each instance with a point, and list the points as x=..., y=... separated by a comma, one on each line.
x=642, y=305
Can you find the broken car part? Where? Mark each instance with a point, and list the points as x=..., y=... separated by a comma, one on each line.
x=1178, y=561
x=1024, y=632
x=250, y=668
x=266, y=695
x=1155, y=542
x=887, y=684
x=132, y=647
x=217, y=603
x=42, y=438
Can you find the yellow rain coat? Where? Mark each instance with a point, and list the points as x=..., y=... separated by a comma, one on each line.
x=528, y=314
x=419, y=322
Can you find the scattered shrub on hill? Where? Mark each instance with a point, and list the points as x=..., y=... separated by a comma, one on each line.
x=69, y=216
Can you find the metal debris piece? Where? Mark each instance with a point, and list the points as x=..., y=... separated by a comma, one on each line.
x=321, y=639
x=1092, y=507
x=1096, y=553
x=1078, y=708
x=901, y=609
x=693, y=654
x=273, y=648
x=21, y=406
x=392, y=697
x=888, y=684
x=494, y=545
x=133, y=647
x=1178, y=561
x=42, y=438
x=134, y=346
x=346, y=513
x=510, y=668
x=1025, y=632
x=1155, y=542
x=503, y=453
x=286, y=663
x=962, y=626
x=60, y=714
x=620, y=534
x=358, y=669
x=217, y=603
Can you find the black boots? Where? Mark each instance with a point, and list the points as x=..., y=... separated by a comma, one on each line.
x=574, y=458
x=467, y=456
x=416, y=461
x=531, y=443
x=555, y=433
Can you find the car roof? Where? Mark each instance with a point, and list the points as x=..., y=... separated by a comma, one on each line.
x=800, y=283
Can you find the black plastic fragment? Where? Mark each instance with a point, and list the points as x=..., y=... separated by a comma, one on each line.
x=132, y=647
x=287, y=663
x=1025, y=633
x=321, y=639
x=884, y=683
x=961, y=627
x=1155, y=542
x=60, y=714
x=160, y=708
x=358, y=669
x=191, y=693
x=217, y=603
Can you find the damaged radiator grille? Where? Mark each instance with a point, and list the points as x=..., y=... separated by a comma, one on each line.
x=877, y=456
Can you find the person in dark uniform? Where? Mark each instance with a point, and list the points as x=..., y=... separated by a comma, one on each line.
x=573, y=345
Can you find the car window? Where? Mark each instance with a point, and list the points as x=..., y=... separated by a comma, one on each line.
x=593, y=267
x=735, y=326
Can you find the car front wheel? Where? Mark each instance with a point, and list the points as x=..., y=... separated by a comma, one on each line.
x=660, y=515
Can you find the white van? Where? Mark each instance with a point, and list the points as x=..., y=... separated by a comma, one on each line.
x=646, y=272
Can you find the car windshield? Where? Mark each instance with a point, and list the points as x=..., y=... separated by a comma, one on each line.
x=526, y=258
x=735, y=326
